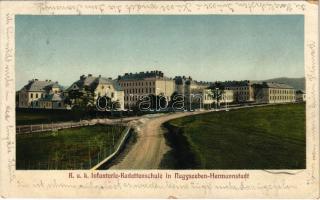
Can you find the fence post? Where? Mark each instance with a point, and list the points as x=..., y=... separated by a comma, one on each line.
x=41, y=127
x=30, y=128
x=89, y=154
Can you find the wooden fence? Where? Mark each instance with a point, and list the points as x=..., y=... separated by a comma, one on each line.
x=21, y=129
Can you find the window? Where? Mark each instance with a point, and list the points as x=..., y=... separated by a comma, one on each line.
x=112, y=95
x=36, y=95
x=31, y=95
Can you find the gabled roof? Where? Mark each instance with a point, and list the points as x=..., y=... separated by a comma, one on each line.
x=92, y=82
x=39, y=86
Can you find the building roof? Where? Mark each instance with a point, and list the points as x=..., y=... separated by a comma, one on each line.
x=180, y=80
x=39, y=86
x=143, y=75
x=276, y=85
x=300, y=92
x=92, y=82
x=236, y=83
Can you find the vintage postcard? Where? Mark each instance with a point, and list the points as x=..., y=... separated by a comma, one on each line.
x=159, y=99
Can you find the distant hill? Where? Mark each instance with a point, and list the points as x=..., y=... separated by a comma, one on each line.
x=297, y=83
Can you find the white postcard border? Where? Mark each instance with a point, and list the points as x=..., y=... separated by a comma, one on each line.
x=261, y=184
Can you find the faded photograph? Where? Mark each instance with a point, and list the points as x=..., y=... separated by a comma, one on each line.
x=160, y=92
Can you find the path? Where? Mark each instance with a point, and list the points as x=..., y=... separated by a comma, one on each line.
x=150, y=147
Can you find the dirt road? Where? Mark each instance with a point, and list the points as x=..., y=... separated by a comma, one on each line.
x=150, y=147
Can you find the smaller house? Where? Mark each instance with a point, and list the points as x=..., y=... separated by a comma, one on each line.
x=300, y=96
x=53, y=101
x=37, y=94
x=95, y=87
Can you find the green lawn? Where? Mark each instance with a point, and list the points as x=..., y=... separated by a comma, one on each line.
x=271, y=137
x=75, y=148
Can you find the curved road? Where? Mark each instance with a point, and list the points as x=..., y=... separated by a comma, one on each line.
x=150, y=147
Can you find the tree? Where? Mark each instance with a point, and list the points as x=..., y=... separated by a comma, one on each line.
x=81, y=99
x=217, y=91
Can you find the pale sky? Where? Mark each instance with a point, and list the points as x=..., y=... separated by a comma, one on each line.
x=205, y=47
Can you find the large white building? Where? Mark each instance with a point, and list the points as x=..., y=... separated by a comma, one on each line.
x=243, y=90
x=274, y=93
x=137, y=85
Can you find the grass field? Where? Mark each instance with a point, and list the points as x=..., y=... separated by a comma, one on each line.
x=75, y=148
x=45, y=116
x=271, y=137
x=28, y=116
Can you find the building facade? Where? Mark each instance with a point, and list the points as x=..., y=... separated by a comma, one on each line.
x=98, y=87
x=39, y=94
x=192, y=91
x=243, y=90
x=274, y=93
x=137, y=85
